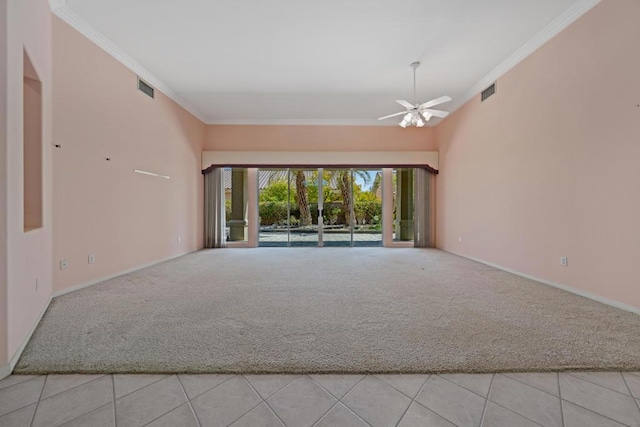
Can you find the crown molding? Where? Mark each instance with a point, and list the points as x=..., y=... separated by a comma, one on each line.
x=568, y=17
x=577, y=9
x=307, y=122
x=62, y=11
x=55, y=4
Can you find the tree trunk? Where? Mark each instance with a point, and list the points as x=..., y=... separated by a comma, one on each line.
x=345, y=189
x=301, y=199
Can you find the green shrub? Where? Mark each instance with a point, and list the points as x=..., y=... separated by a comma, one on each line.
x=368, y=211
x=272, y=213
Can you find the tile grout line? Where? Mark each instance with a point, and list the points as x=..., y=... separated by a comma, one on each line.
x=134, y=391
x=518, y=413
x=18, y=383
x=327, y=390
x=421, y=387
x=356, y=415
x=580, y=406
x=506, y=374
x=22, y=407
x=486, y=401
x=474, y=392
x=33, y=417
x=338, y=399
x=391, y=385
x=594, y=412
x=413, y=402
x=215, y=386
x=630, y=392
x=599, y=385
x=413, y=399
x=345, y=405
x=434, y=412
x=560, y=395
x=193, y=411
x=325, y=413
x=75, y=386
x=86, y=413
x=71, y=388
x=113, y=390
x=504, y=407
x=341, y=400
x=272, y=412
x=172, y=409
x=275, y=392
x=265, y=400
x=254, y=406
x=351, y=389
x=426, y=407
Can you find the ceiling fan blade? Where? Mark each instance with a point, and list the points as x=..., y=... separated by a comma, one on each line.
x=392, y=115
x=435, y=102
x=406, y=104
x=435, y=113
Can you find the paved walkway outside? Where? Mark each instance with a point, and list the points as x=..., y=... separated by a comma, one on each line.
x=311, y=239
x=596, y=399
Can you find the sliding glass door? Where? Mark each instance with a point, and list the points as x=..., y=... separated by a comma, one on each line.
x=274, y=205
x=320, y=207
x=303, y=212
x=367, y=207
x=337, y=207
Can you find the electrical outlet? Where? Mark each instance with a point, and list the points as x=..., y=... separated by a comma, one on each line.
x=92, y=259
x=179, y=239
x=460, y=239
x=64, y=264
x=564, y=261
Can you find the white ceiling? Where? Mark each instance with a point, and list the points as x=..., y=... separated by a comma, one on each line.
x=329, y=61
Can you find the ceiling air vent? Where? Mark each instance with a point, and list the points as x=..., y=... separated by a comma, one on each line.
x=488, y=92
x=145, y=88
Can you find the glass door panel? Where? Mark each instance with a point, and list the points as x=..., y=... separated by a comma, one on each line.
x=273, y=207
x=338, y=207
x=303, y=212
x=367, y=207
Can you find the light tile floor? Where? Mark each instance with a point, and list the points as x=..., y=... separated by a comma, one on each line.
x=572, y=399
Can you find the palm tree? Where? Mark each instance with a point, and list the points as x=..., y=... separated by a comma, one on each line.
x=342, y=179
x=302, y=199
x=301, y=192
x=376, y=185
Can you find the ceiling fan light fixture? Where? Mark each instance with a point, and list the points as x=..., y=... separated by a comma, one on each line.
x=418, y=114
x=406, y=120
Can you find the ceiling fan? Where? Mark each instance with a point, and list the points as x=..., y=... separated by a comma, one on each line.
x=419, y=114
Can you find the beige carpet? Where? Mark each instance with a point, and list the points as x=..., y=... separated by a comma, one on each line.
x=327, y=310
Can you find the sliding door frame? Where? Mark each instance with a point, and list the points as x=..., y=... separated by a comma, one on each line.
x=387, y=199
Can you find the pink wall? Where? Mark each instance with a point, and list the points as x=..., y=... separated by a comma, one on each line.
x=317, y=138
x=102, y=207
x=24, y=257
x=4, y=133
x=548, y=166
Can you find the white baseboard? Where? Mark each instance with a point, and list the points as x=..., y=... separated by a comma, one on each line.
x=113, y=276
x=598, y=298
x=6, y=370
